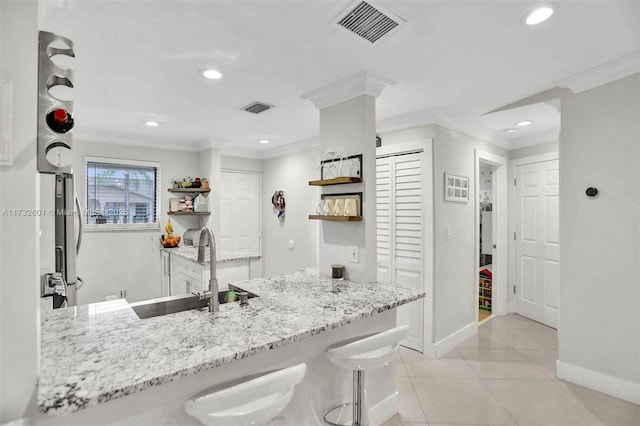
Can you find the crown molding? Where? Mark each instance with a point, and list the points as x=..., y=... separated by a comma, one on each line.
x=602, y=74
x=140, y=141
x=545, y=136
x=445, y=118
x=363, y=82
x=291, y=148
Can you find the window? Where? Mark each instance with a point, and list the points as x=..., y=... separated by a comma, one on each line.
x=121, y=194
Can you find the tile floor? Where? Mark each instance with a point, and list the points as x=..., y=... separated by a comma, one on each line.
x=505, y=375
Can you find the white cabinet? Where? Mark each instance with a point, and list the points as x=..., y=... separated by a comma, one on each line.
x=165, y=274
x=187, y=276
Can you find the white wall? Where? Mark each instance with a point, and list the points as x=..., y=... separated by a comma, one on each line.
x=455, y=272
x=351, y=125
x=228, y=162
x=290, y=173
x=530, y=151
x=111, y=261
x=600, y=276
x=19, y=282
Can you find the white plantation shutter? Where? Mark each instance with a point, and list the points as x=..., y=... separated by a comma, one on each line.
x=399, y=233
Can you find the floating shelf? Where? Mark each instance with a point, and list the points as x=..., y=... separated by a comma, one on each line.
x=335, y=181
x=199, y=190
x=336, y=218
x=189, y=213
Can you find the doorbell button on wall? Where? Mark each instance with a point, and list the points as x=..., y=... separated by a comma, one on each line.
x=591, y=192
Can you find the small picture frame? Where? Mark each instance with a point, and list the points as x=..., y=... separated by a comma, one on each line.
x=456, y=188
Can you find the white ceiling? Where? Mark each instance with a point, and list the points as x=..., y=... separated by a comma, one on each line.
x=138, y=60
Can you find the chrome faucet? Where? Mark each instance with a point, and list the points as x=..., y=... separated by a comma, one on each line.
x=212, y=293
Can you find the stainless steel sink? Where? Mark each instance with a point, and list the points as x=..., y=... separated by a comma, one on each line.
x=172, y=304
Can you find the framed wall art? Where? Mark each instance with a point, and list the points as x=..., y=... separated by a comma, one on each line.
x=456, y=188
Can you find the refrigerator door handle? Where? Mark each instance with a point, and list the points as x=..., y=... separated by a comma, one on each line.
x=80, y=223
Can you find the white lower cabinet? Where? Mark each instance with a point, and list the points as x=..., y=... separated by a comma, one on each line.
x=186, y=276
x=165, y=274
x=182, y=276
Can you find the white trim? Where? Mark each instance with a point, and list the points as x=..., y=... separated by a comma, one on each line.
x=127, y=227
x=500, y=231
x=445, y=118
x=609, y=385
x=546, y=136
x=290, y=148
x=125, y=162
x=384, y=410
x=365, y=82
x=259, y=174
x=603, y=74
x=441, y=347
x=425, y=145
x=539, y=158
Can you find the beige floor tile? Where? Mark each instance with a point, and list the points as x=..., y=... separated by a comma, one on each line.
x=410, y=409
x=526, y=338
x=459, y=401
x=501, y=364
x=513, y=321
x=440, y=368
x=398, y=421
x=401, y=370
x=540, y=402
x=484, y=339
x=545, y=359
x=611, y=411
x=410, y=355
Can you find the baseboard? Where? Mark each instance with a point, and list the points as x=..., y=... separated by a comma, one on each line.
x=609, y=385
x=441, y=347
x=384, y=410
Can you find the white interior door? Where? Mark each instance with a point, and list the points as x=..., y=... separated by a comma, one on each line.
x=538, y=241
x=239, y=212
x=400, y=234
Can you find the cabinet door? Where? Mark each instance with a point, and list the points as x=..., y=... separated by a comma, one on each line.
x=165, y=274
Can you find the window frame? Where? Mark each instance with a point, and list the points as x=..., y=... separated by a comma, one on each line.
x=90, y=227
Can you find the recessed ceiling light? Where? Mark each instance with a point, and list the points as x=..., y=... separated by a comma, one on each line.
x=539, y=14
x=509, y=130
x=524, y=123
x=211, y=74
x=152, y=123
x=265, y=141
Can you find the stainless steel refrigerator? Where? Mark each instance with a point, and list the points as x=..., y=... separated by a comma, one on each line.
x=54, y=157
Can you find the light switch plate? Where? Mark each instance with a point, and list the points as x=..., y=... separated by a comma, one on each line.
x=448, y=233
x=353, y=254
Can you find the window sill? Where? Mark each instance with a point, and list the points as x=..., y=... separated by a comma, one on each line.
x=122, y=227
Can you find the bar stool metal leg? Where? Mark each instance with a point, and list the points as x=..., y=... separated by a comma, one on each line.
x=357, y=403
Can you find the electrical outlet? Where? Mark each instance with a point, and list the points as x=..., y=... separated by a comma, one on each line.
x=353, y=254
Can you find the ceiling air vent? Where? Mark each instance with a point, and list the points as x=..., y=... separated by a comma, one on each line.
x=257, y=107
x=371, y=23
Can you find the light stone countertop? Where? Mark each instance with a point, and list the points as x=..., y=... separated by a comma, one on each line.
x=98, y=352
x=191, y=253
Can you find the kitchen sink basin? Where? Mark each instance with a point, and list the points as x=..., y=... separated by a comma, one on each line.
x=179, y=303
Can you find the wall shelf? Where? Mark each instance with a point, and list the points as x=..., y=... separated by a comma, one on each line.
x=187, y=190
x=336, y=218
x=189, y=213
x=335, y=181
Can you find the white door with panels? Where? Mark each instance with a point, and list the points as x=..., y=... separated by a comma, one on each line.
x=239, y=212
x=538, y=242
x=400, y=234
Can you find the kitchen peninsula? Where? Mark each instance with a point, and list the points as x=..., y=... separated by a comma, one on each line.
x=101, y=364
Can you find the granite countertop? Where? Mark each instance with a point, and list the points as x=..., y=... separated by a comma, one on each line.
x=191, y=253
x=95, y=353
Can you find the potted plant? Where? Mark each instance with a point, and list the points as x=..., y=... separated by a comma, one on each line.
x=205, y=183
x=196, y=183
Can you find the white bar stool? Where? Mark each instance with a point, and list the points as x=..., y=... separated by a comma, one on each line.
x=367, y=353
x=253, y=402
